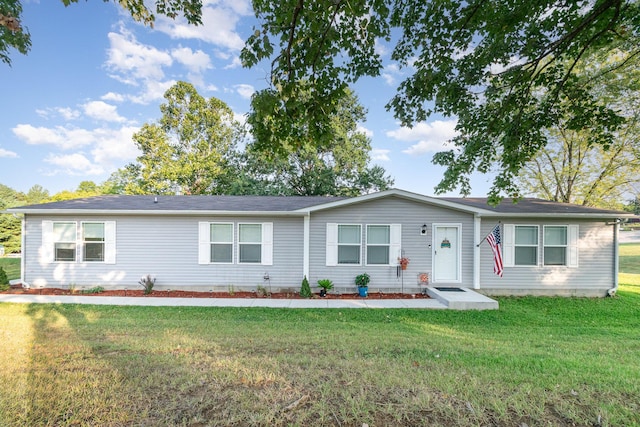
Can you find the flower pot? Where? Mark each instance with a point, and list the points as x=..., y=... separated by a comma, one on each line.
x=323, y=292
x=362, y=291
x=404, y=266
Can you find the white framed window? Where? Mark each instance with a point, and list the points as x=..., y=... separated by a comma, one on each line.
x=64, y=241
x=221, y=235
x=559, y=245
x=349, y=243
x=526, y=245
x=217, y=243
x=93, y=241
x=61, y=241
x=344, y=244
x=378, y=244
x=250, y=243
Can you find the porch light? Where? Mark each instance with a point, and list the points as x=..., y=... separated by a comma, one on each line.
x=423, y=230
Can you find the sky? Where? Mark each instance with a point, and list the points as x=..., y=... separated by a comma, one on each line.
x=94, y=76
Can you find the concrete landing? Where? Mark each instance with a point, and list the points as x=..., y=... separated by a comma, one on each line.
x=456, y=298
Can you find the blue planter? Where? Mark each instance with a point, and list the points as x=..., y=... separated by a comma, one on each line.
x=362, y=291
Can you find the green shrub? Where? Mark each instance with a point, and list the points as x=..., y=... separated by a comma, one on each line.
x=4, y=280
x=94, y=290
x=147, y=283
x=305, y=289
x=362, y=280
x=325, y=284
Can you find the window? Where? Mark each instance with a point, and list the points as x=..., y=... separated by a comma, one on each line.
x=221, y=242
x=250, y=243
x=555, y=245
x=526, y=245
x=349, y=238
x=64, y=241
x=378, y=244
x=93, y=238
x=217, y=243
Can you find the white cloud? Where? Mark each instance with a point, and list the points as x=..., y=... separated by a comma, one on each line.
x=391, y=74
x=364, y=130
x=73, y=164
x=130, y=61
x=8, y=154
x=219, y=21
x=114, y=146
x=153, y=91
x=62, y=137
x=380, y=155
x=196, y=62
x=430, y=137
x=245, y=90
x=65, y=112
x=111, y=96
x=100, y=110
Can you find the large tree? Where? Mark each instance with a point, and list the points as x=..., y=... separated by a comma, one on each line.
x=298, y=165
x=574, y=167
x=501, y=68
x=189, y=150
x=14, y=34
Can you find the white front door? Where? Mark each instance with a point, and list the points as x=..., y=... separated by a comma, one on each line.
x=446, y=253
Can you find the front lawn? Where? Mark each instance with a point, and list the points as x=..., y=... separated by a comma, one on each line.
x=536, y=361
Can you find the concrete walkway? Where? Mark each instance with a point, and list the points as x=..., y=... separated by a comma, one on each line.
x=454, y=300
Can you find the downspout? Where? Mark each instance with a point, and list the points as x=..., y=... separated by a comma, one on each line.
x=616, y=259
x=477, y=222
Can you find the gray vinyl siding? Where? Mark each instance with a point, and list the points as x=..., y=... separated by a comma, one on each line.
x=167, y=247
x=392, y=210
x=594, y=274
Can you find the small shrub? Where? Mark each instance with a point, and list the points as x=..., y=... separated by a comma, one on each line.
x=147, y=283
x=305, y=289
x=325, y=284
x=362, y=280
x=262, y=291
x=4, y=280
x=94, y=290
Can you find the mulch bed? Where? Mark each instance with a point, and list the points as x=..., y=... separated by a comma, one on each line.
x=196, y=294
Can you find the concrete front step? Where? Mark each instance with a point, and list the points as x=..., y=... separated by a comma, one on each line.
x=457, y=298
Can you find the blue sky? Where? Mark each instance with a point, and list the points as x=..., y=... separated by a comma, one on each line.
x=94, y=76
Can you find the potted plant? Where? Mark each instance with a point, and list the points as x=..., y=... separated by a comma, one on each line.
x=404, y=262
x=362, y=282
x=326, y=286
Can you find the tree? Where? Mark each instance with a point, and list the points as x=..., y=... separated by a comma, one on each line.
x=501, y=68
x=573, y=167
x=187, y=151
x=10, y=225
x=339, y=166
x=14, y=35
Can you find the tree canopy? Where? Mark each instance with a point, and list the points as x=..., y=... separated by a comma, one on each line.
x=501, y=68
x=14, y=34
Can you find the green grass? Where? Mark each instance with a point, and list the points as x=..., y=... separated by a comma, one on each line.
x=630, y=258
x=539, y=361
x=11, y=266
x=536, y=361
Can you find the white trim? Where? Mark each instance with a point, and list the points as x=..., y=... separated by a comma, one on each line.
x=395, y=246
x=331, y=245
x=508, y=245
x=204, y=243
x=306, y=233
x=573, y=253
x=23, y=250
x=477, y=224
x=266, y=257
x=110, y=242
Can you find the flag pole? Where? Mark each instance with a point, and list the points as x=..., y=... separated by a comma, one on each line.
x=485, y=237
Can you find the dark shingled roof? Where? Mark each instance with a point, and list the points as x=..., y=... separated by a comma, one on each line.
x=529, y=206
x=187, y=203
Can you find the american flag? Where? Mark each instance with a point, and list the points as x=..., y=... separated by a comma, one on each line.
x=494, y=241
